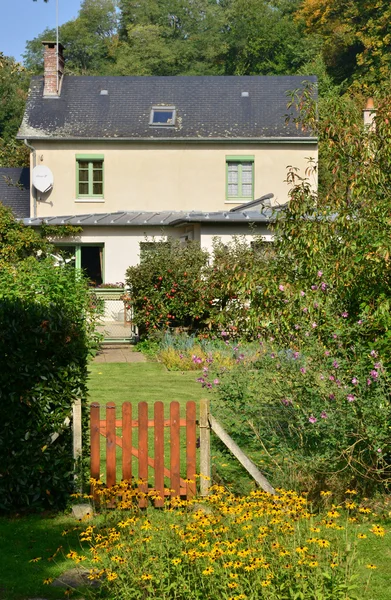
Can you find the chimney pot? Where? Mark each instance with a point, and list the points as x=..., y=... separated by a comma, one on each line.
x=53, y=68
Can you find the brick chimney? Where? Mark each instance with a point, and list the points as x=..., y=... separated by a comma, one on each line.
x=369, y=114
x=53, y=68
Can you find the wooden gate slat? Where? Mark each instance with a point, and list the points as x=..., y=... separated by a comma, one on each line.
x=159, y=453
x=143, y=452
x=127, y=442
x=175, y=449
x=110, y=445
x=95, y=440
x=191, y=443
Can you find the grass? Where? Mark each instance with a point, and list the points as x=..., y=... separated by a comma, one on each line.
x=25, y=538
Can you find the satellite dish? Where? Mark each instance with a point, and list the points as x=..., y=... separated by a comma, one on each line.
x=42, y=179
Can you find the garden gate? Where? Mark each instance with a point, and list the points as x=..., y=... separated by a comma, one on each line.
x=173, y=440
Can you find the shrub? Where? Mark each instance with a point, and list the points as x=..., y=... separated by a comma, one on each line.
x=45, y=324
x=167, y=287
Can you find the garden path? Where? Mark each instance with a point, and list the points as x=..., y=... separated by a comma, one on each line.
x=119, y=354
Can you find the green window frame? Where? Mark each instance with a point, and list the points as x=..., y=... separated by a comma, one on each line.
x=89, y=176
x=66, y=249
x=239, y=178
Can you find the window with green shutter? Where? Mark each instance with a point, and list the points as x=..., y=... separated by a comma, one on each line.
x=89, y=176
x=239, y=178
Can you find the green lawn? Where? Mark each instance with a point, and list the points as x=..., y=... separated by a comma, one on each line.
x=24, y=539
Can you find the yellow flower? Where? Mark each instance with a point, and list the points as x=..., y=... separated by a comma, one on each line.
x=111, y=576
x=377, y=530
x=47, y=581
x=37, y=559
x=333, y=514
x=265, y=582
x=313, y=563
x=325, y=494
x=146, y=577
x=233, y=585
x=301, y=549
x=351, y=492
x=371, y=567
x=315, y=529
x=208, y=571
x=333, y=565
x=361, y=536
x=176, y=561
x=323, y=543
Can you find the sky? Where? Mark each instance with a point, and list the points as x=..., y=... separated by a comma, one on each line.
x=23, y=20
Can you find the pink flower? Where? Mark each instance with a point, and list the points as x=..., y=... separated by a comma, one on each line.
x=312, y=419
x=354, y=381
x=281, y=288
x=373, y=353
x=327, y=353
x=335, y=365
x=314, y=325
x=350, y=398
x=314, y=287
x=345, y=314
x=320, y=273
x=216, y=381
x=359, y=322
x=302, y=293
x=323, y=286
x=369, y=381
x=374, y=374
x=305, y=309
x=324, y=415
x=303, y=370
x=378, y=450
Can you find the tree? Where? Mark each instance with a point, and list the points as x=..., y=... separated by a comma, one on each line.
x=13, y=93
x=356, y=35
x=87, y=40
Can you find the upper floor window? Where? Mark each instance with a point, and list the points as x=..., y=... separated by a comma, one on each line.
x=89, y=176
x=239, y=178
x=163, y=116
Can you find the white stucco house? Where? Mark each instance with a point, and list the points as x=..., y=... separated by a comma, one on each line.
x=140, y=157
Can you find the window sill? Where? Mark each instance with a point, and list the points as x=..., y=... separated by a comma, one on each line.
x=238, y=200
x=89, y=199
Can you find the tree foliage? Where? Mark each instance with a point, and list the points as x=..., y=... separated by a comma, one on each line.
x=14, y=82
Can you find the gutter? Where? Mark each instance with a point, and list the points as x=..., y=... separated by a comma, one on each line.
x=190, y=140
x=33, y=191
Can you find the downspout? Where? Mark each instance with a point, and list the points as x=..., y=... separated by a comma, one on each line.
x=33, y=190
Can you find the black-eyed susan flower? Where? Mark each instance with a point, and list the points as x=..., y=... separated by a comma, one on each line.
x=371, y=566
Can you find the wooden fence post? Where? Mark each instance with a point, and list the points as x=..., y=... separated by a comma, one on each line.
x=204, y=448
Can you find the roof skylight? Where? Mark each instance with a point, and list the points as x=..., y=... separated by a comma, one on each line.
x=163, y=116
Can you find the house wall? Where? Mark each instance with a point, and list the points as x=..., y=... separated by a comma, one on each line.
x=122, y=244
x=169, y=176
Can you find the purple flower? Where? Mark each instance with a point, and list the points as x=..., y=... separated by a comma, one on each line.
x=323, y=286
x=320, y=273
x=303, y=370
x=236, y=348
x=302, y=293
x=314, y=287
x=324, y=414
x=335, y=365
x=374, y=374
x=200, y=380
x=216, y=381
x=281, y=288
x=312, y=419
x=314, y=325
x=181, y=356
x=369, y=381
x=373, y=353
x=327, y=353
x=338, y=383
x=209, y=386
x=224, y=334
x=350, y=398
x=272, y=355
x=354, y=381
x=316, y=305
x=286, y=401
x=241, y=356
x=377, y=365
x=305, y=309
x=295, y=355
x=331, y=377
x=344, y=314
x=331, y=397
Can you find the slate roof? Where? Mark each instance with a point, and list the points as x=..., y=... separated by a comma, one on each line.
x=208, y=108
x=15, y=190
x=165, y=218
